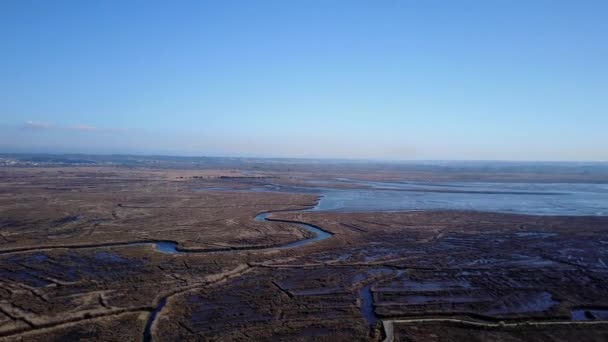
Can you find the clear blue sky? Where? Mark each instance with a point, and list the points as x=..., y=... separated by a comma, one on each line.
x=515, y=80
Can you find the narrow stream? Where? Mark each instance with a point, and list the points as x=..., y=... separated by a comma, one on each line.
x=152, y=318
x=320, y=234
x=171, y=247
x=367, y=305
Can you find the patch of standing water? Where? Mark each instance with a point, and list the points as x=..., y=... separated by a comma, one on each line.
x=367, y=304
x=166, y=247
x=583, y=314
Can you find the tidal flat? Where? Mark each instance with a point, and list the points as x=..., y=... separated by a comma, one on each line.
x=165, y=254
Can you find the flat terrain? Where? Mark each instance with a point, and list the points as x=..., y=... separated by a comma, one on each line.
x=141, y=254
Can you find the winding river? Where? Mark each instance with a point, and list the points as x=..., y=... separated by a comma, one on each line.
x=319, y=234
x=172, y=247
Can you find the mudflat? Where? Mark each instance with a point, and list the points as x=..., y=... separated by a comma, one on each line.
x=163, y=254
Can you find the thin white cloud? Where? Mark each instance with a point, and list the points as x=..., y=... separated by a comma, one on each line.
x=82, y=128
x=37, y=124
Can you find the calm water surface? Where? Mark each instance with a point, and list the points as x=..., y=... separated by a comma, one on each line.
x=523, y=198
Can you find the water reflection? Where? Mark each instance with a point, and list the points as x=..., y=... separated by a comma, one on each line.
x=580, y=199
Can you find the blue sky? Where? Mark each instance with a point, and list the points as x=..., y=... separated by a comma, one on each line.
x=513, y=80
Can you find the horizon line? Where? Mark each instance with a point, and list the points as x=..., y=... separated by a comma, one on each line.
x=345, y=159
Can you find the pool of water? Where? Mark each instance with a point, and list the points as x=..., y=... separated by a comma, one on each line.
x=583, y=314
x=166, y=247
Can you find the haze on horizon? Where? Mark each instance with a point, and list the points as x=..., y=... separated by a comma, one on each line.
x=481, y=80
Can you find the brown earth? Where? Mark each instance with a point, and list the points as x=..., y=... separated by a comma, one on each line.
x=70, y=268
